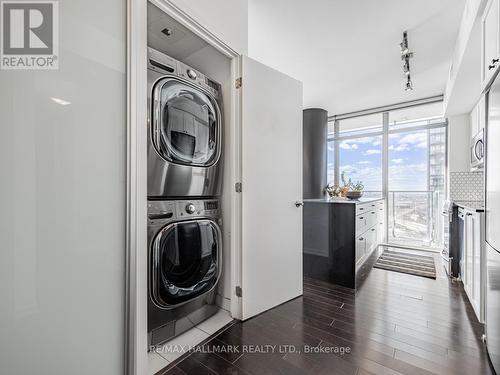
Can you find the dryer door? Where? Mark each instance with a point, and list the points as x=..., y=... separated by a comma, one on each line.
x=185, y=261
x=186, y=123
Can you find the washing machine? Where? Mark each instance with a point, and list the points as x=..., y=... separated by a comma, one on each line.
x=185, y=131
x=185, y=264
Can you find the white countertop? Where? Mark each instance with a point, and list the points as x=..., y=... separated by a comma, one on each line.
x=342, y=200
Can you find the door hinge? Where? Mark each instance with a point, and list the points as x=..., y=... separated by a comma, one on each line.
x=238, y=187
x=238, y=82
x=238, y=291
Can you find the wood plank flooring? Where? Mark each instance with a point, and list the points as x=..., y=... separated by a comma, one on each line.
x=394, y=324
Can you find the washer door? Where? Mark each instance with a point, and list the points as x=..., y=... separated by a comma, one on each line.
x=186, y=123
x=185, y=261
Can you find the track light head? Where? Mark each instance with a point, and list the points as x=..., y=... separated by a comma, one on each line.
x=409, y=85
x=406, y=68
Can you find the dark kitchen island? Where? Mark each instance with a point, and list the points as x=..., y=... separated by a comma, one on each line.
x=340, y=238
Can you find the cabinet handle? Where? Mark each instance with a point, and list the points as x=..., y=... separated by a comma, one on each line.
x=361, y=208
x=361, y=218
x=491, y=67
x=494, y=61
x=361, y=239
x=373, y=230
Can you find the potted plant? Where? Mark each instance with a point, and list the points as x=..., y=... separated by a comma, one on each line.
x=355, y=190
x=348, y=189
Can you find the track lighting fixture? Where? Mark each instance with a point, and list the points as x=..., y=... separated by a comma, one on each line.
x=406, y=55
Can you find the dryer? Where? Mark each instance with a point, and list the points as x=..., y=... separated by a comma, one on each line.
x=185, y=130
x=185, y=264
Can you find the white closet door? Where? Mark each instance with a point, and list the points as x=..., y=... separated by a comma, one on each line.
x=272, y=184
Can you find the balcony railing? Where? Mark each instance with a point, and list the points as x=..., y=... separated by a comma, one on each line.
x=414, y=217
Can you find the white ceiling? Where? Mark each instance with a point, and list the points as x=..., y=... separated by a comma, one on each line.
x=347, y=52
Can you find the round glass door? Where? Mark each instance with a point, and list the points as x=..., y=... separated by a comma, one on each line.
x=185, y=261
x=187, y=124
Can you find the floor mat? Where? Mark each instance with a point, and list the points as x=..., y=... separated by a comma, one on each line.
x=418, y=265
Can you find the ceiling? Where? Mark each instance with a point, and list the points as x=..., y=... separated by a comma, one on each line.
x=181, y=44
x=347, y=53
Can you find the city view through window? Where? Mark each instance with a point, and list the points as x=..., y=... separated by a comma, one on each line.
x=416, y=172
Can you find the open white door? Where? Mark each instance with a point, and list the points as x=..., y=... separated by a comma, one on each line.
x=271, y=162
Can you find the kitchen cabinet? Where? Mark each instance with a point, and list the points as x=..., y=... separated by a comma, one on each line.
x=490, y=56
x=369, y=218
x=473, y=276
x=360, y=248
x=478, y=117
x=340, y=237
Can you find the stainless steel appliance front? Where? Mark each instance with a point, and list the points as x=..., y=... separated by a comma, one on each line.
x=492, y=225
x=185, y=264
x=185, y=131
x=477, y=151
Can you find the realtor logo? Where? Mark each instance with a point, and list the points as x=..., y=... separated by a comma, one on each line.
x=29, y=37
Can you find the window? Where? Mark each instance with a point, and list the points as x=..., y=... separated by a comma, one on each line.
x=360, y=159
x=410, y=149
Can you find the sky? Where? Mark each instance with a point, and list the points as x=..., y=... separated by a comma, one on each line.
x=361, y=159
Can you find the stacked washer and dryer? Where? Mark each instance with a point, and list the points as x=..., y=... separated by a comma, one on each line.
x=185, y=144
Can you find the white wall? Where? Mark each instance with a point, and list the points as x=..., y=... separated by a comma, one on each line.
x=62, y=199
x=458, y=143
x=228, y=20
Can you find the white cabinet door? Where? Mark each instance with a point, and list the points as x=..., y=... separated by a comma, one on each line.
x=360, y=248
x=490, y=41
x=476, y=261
x=478, y=117
x=474, y=121
x=372, y=239
x=468, y=254
x=481, y=113
x=271, y=167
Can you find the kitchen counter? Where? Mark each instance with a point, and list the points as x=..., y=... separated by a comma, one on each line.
x=475, y=206
x=343, y=200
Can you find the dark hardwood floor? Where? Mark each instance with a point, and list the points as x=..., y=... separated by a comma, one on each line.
x=394, y=324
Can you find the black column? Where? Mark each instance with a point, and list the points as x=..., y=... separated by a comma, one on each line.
x=315, y=133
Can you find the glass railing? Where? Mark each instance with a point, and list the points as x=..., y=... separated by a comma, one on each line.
x=414, y=217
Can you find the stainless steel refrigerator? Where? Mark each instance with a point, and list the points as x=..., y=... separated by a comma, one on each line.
x=493, y=224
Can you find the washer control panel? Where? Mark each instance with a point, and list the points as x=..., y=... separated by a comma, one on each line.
x=189, y=208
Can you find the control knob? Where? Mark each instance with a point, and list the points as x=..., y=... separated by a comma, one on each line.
x=190, y=208
x=191, y=74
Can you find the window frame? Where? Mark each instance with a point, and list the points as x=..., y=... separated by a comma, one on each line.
x=336, y=138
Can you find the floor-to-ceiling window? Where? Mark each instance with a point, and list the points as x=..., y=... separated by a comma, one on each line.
x=400, y=155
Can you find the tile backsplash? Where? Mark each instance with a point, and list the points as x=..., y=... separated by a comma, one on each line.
x=467, y=186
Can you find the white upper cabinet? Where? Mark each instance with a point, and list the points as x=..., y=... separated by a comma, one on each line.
x=478, y=117
x=474, y=121
x=490, y=41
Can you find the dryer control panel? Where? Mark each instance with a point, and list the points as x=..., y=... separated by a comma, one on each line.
x=161, y=63
x=183, y=209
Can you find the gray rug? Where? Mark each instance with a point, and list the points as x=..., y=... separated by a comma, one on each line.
x=418, y=265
